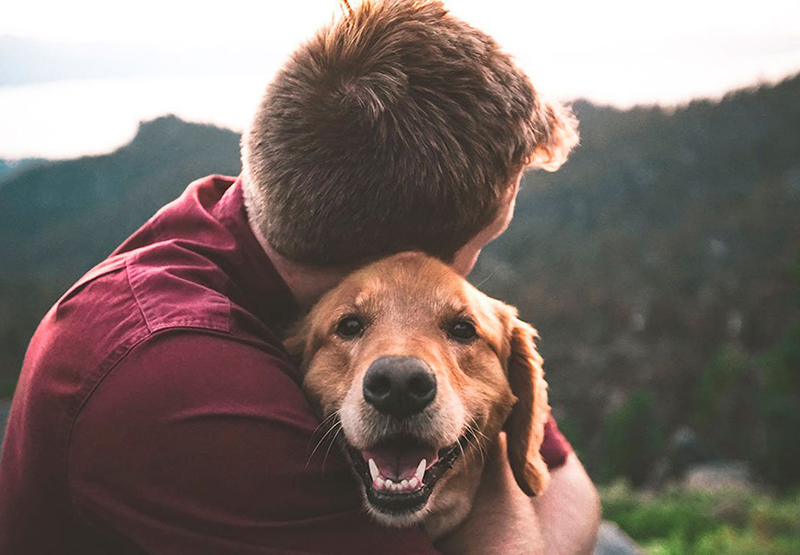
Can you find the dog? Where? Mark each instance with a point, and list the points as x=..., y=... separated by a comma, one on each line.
x=421, y=371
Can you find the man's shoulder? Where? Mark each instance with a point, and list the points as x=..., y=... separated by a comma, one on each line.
x=161, y=284
x=195, y=367
x=162, y=310
x=122, y=302
x=171, y=273
x=178, y=287
x=95, y=318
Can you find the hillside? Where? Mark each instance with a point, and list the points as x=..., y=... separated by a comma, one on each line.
x=666, y=248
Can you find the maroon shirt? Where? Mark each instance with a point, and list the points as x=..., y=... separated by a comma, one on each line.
x=158, y=412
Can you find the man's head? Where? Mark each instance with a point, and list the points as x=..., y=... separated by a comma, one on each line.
x=398, y=127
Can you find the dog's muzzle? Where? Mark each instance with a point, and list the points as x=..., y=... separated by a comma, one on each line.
x=400, y=470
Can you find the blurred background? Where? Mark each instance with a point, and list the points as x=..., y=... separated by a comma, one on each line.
x=661, y=265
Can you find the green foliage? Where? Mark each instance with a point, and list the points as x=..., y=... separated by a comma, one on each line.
x=671, y=517
x=7, y=387
x=748, y=407
x=569, y=428
x=729, y=541
x=723, y=375
x=783, y=363
x=794, y=268
x=633, y=437
x=675, y=522
x=722, y=395
x=779, y=404
x=772, y=519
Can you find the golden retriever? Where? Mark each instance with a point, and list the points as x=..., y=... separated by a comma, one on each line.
x=421, y=370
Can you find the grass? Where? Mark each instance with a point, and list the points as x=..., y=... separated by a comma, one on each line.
x=676, y=522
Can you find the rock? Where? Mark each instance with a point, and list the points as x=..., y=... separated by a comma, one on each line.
x=613, y=541
x=719, y=475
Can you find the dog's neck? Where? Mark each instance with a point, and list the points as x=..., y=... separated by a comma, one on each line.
x=306, y=283
x=454, y=503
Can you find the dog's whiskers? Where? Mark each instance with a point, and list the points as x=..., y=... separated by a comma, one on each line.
x=333, y=423
x=466, y=459
x=471, y=435
x=476, y=431
x=488, y=277
x=472, y=425
x=325, y=421
x=325, y=460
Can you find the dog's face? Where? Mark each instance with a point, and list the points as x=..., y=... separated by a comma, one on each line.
x=421, y=371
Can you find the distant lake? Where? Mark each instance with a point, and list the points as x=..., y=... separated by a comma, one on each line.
x=66, y=119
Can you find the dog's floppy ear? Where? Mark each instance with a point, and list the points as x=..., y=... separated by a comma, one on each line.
x=525, y=425
x=296, y=341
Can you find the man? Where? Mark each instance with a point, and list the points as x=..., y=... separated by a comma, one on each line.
x=157, y=411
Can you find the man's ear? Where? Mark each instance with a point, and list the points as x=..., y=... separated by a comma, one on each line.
x=557, y=134
x=525, y=425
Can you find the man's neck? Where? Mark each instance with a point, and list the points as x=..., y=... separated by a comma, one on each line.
x=306, y=283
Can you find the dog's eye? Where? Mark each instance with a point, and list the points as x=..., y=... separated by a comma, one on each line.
x=463, y=330
x=349, y=327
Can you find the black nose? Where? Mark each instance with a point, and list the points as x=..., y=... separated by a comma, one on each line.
x=399, y=386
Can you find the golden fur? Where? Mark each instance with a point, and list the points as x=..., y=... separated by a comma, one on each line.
x=492, y=383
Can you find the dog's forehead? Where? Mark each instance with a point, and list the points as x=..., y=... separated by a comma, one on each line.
x=407, y=277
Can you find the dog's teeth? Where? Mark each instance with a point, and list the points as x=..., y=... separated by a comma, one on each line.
x=386, y=484
x=420, y=472
x=373, y=470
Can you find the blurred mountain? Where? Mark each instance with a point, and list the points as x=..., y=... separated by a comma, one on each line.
x=59, y=219
x=8, y=166
x=671, y=236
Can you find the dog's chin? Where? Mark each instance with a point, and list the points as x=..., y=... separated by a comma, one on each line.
x=397, y=490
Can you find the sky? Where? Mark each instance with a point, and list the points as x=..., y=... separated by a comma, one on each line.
x=620, y=52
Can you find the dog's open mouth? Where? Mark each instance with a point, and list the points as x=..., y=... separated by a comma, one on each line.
x=400, y=473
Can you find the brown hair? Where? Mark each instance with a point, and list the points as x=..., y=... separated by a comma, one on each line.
x=396, y=127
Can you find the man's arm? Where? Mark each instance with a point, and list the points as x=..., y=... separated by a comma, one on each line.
x=504, y=521
x=569, y=510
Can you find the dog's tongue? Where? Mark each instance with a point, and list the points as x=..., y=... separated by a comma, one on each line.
x=399, y=458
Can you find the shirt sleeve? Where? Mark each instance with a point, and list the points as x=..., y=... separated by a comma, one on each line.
x=555, y=447
x=201, y=443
